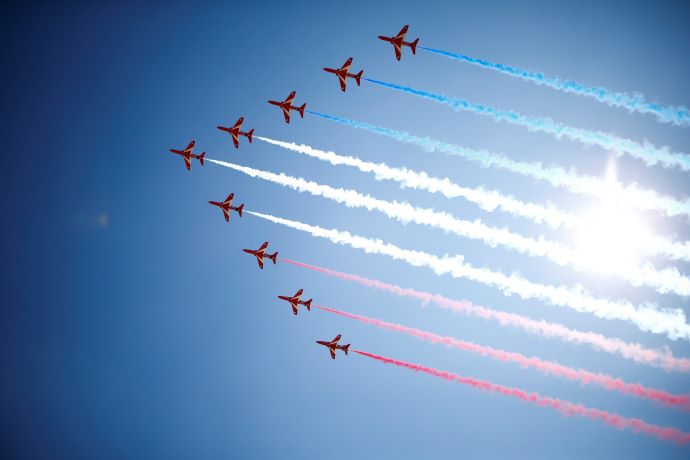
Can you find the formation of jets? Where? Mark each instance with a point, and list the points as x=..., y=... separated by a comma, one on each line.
x=295, y=301
x=236, y=132
x=260, y=254
x=343, y=73
x=399, y=41
x=188, y=154
x=227, y=206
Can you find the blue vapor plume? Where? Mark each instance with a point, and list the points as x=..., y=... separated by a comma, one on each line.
x=648, y=153
x=632, y=102
x=630, y=195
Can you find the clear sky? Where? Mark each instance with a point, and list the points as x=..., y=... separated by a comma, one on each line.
x=134, y=326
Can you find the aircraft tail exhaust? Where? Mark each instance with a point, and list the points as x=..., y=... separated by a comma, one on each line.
x=201, y=158
x=358, y=77
x=239, y=210
x=301, y=110
x=250, y=134
x=413, y=46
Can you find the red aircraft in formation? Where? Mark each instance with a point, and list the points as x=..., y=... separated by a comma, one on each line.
x=260, y=254
x=333, y=345
x=344, y=72
x=227, y=206
x=188, y=154
x=286, y=105
x=236, y=133
x=295, y=301
x=399, y=41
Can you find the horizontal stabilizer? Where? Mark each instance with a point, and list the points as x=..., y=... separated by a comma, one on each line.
x=301, y=110
x=239, y=210
x=250, y=134
x=413, y=46
x=358, y=77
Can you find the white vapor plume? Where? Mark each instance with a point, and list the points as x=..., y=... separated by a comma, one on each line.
x=671, y=322
x=663, y=281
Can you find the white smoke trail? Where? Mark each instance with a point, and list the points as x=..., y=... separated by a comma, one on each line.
x=488, y=200
x=629, y=195
x=671, y=322
x=663, y=281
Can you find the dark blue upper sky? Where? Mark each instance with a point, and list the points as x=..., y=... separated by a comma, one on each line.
x=134, y=326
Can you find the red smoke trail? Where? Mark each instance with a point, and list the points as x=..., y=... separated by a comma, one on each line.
x=632, y=351
x=546, y=367
x=564, y=407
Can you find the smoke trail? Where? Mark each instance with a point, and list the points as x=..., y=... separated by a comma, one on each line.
x=632, y=351
x=663, y=281
x=546, y=367
x=646, y=152
x=646, y=317
x=564, y=407
x=630, y=195
x=632, y=102
x=488, y=200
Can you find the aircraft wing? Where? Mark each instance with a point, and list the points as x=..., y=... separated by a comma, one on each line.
x=398, y=51
x=343, y=83
x=263, y=247
x=239, y=122
x=261, y=261
x=402, y=32
x=332, y=352
x=187, y=162
x=228, y=200
x=234, y=139
x=286, y=114
x=190, y=147
x=346, y=66
x=335, y=340
x=226, y=214
x=291, y=97
x=294, y=309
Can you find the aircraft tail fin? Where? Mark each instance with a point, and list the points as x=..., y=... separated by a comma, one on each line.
x=250, y=134
x=239, y=210
x=345, y=348
x=308, y=304
x=358, y=77
x=413, y=46
x=273, y=257
x=301, y=110
x=201, y=158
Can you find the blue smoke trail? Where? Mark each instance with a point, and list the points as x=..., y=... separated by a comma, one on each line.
x=630, y=195
x=679, y=116
x=648, y=153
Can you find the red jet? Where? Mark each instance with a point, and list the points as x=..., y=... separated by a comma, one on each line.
x=399, y=41
x=294, y=301
x=333, y=345
x=286, y=105
x=344, y=72
x=188, y=155
x=259, y=254
x=226, y=206
x=236, y=133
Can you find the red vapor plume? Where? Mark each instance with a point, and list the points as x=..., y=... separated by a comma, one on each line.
x=564, y=407
x=546, y=367
x=632, y=351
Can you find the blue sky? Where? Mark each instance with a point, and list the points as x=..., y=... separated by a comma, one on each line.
x=135, y=326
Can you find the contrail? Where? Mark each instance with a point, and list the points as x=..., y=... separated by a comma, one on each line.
x=646, y=317
x=564, y=407
x=546, y=367
x=632, y=102
x=646, y=152
x=631, y=351
x=630, y=195
x=667, y=280
x=488, y=200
